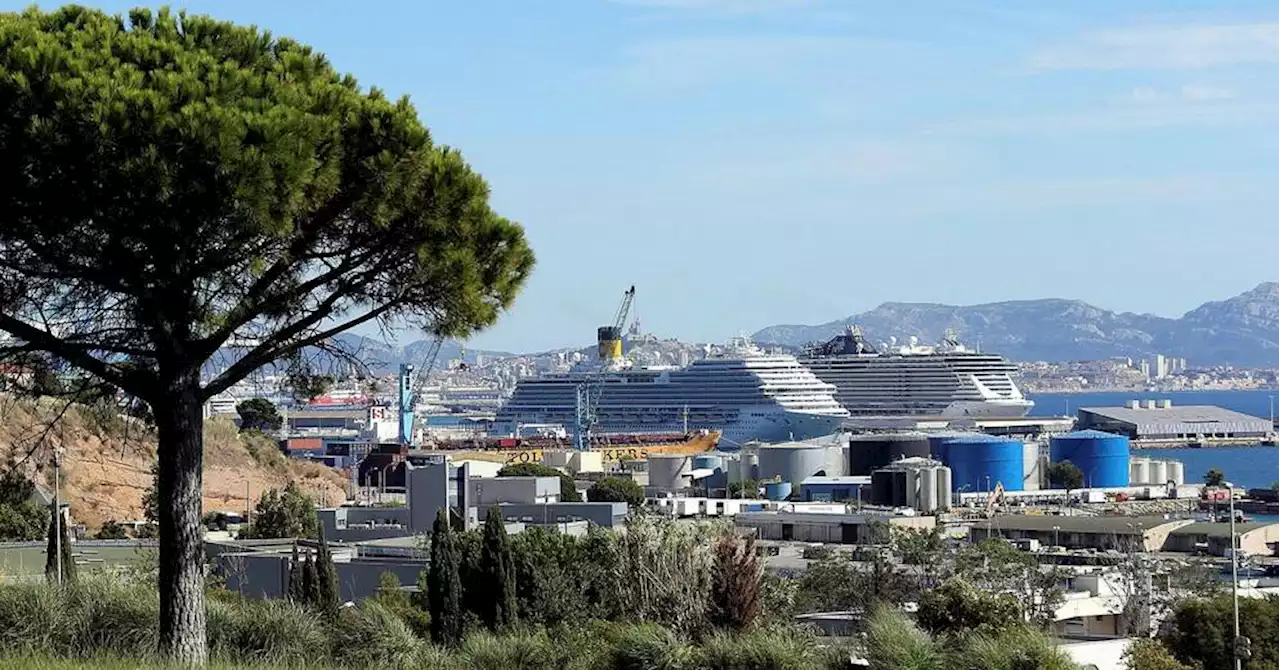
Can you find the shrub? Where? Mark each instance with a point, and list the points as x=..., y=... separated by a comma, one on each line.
x=894, y=642
x=370, y=635
x=768, y=649
x=568, y=490
x=486, y=651
x=112, y=531
x=648, y=647
x=617, y=489
x=1012, y=648
x=271, y=631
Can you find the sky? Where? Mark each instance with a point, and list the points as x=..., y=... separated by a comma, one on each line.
x=745, y=163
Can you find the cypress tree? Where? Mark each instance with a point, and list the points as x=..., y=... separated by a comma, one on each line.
x=498, y=599
x=444, y=596
x=326, y=577
x=309, y=591
x=295, y=589
x=62, y=547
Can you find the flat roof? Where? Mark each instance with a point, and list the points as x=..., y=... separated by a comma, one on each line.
x=1195, y=417
x=1120, y=525
x=850, y=480
x=818, y=517
x=1219, y=529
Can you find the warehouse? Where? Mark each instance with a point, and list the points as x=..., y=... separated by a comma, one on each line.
x=1132, y=533
x=1152, y=421
x=825, y=528
x=1256, y=539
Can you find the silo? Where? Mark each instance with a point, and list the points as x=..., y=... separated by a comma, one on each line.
x=668, y=472
x=911, y=490
x=881, y=487
x=1139, y=471
x=1102, y=457
x=1031, y=471
x=978, y=463
x=868, y=452
x=898, y=488
x=792, y=462
x=1177, y=472
x=944, y=488
x=1159, y=473
x=928, y=489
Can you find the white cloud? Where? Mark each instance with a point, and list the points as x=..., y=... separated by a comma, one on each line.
x=1165, y=47
x=1196, y=93
x=1190, y=93
x=1159, y=110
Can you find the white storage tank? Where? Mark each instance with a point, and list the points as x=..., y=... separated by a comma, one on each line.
x=1159, y=472
x=928, y=490
x=944, y=488
x=668, y=472
x=792, y=462
x=1031, y=467
x=910, y=495
x=1177, y=472
x=1139, y=471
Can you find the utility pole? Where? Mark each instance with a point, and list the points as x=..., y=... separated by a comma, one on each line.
x=248, y=505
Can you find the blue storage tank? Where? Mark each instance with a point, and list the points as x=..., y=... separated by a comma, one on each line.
x=979, y=462
x=777, y=490
x=1102, y=457
x=938, y=442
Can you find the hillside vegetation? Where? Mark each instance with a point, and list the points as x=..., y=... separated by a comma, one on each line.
x=107, y=460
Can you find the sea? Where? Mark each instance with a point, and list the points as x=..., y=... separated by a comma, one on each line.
x=1247, y=467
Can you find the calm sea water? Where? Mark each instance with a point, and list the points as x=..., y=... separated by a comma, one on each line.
x=1248, y=467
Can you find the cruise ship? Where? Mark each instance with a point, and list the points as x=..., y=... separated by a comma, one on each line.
x=945, y=381
x=742, y=392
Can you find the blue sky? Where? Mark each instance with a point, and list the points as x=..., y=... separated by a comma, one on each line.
x=751, y=162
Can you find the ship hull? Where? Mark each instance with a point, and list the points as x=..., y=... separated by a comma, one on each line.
x=612, y=448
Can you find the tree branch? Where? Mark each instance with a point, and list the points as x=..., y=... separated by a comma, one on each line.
x=131, y=381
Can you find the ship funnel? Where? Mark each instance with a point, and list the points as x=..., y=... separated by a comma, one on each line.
x=609, y=343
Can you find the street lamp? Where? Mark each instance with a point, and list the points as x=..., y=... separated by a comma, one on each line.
x=1235, y=579
x=1055, y=535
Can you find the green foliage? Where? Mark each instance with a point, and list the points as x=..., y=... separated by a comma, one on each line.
x=1214, y=477
x=15, y=488
x=151, y=497
x=23, y=522
x=405, y=607
x=370, y=635
x=296, y=589
x=112, y=531
x=956, y=607
x=1201, y=631
x=568, y=491
x=444, y=584
x=58, y=550
x=746, y=488
x=498, y=595
x=259, y=414
x=893, y=642
x=1012, y=648
x=1065, y=475
x=328, y=599
x=287, y=513
x=735, y=583
x=1149, y=654
x=617, y=489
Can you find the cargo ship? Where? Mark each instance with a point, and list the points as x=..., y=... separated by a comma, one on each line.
x=613, y=448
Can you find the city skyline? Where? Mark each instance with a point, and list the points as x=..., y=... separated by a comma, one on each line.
x=751, y=162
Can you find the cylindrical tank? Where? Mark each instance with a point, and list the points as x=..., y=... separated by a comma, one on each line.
x=979, y=463
x=793, y=462
x=1102, y=457
x=881, y=486
x=868, y=452
x=1177, y=472
x=1139, y=471
x=944, y=488
x=938, y=442
x=911, y=490
x=1159, y=473
x=667, y=472
x=1031, y=467
x=707, y=461
x=928, y=489
x=777, y=490
x=898, y=488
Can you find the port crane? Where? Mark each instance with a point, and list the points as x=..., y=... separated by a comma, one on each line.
x=609, y=348
x=410, y=387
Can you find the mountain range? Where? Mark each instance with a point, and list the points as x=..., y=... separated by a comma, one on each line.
x=1242, y=330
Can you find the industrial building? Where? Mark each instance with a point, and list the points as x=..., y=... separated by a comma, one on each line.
x=1161, y=421
x=833, y=489
x=1103, y=458
x=1126, y=534
x=826, y=528
x=1255, y=539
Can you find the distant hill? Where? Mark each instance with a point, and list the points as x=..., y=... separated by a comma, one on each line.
x=381, y=357
x=1238, y=331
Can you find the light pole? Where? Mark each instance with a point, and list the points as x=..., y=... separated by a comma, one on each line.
x=1055, y=535
x=57, y=514
x=1235, y=579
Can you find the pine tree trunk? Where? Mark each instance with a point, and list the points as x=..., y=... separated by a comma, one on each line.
x=180, y=428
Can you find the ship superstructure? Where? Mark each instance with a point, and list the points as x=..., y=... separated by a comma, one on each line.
x=947, y=380
x=742, y=392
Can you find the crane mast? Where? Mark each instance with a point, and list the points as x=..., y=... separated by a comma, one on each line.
x=411, y=387
x=609, y=350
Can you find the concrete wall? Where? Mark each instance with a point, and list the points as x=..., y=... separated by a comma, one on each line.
x=265, y=575
x=525, y=490
x=824, y=528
